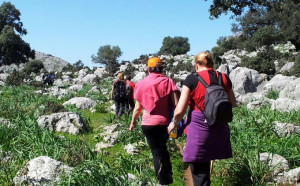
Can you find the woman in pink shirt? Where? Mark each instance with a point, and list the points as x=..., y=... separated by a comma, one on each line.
x=155, y=94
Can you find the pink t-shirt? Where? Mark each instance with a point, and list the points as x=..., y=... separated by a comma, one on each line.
x=159, y=115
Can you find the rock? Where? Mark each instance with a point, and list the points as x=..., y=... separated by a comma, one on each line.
x=278, y=82
x=291, y=90
x=224, y=69
x=274, y=161
x=41, y=171
x=69, y=122
x=131, y=149
x=75, y=88
x=51, y=63
x=258, y=103
x=285, y=129
x=7, y=69
x=82, y=73
x=100, y=72
x=139, y=76
x=285, y=105
x=4, y=122
x=231, y=59
x=292, y=176
x=3, y=77
x=102, y=145
x=81, y=102
x=56, y=91
x=287, y=67
x=245, y=80
x=112, y=138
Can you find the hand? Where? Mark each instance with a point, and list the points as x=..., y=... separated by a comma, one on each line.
x=132, y=125
x=171, y=127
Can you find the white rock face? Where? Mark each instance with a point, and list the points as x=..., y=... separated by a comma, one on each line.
x=139, y=76
x=285, y=104
x=224, y=69
x=279, y=82
x=81, y=102
x=82, y=73
x=274, y=161
x=100, y=72
x=245, y=80
x=41, y=171
x=51, y=63
x=287, y=67
x=69, y=122
x=291, y=90
x=231, y=59
x=285, y=129
x=75, y=88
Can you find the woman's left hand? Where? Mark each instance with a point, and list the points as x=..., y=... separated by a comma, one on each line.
x=132, y=125
x=171, y=127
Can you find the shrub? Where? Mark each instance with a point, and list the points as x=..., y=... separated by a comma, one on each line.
x=34, y=66
x=296, y=68
x=16, y=78
x=272, y=94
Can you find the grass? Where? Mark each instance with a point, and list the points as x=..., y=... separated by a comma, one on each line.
x=251, y=134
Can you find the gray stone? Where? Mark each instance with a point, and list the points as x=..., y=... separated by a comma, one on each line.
x=68, y=122
x=51, y=63
x=245, y=80
x=285, y=104
x=291, y=90
x=41, y=171
x=285, y=129
x=276, y=162
x=287, y=67
x=100, y=72
x=131, y=149
x=102, y=145
x=75, y=88
x=81, y=102
x=278, y=82
x=139, y=76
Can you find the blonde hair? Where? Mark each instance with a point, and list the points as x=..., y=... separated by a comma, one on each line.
x=120, y=76
x=204, y=59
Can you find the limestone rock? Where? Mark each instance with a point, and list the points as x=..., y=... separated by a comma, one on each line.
x=285, y=129
x=278, y=82
x=274, y=161
x=291, y=90
x=41, y=171
x=69, y=122
x=81, y=102
x=285, y=104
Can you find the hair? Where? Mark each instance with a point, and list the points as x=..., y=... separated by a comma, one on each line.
x=128, y=77
x=120, y=76
x=204, y=59
x=157, y=69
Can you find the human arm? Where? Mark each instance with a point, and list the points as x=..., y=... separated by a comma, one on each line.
x=232, y=98
x=180, y=108
x=175, y=97
x=136, y=112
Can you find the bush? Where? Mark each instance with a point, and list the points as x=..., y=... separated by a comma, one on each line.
x=34, y=66
x=16, y=78
x=296, y=68
x=174, y=46
x=272, y=94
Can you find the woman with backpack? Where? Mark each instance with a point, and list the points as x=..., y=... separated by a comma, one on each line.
x=118, y=94
x=154, y=94
x=205, y=142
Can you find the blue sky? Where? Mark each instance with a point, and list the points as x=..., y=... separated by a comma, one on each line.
x=75, y=29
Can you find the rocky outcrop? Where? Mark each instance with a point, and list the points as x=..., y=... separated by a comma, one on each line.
x=278, y=82
x=81, y=102
x=68, y=122
x=285, y=129
x=41, y=171
x=285, y=105
x=245, y=80
x=291, y=90
x=51, y=63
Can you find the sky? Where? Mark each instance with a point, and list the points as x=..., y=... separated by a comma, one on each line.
x=75, y=29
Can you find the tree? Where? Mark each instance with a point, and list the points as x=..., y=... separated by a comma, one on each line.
x=107, y=56
x=174, y=46
x=219, y=7
x=79, y=64
x=12, y=48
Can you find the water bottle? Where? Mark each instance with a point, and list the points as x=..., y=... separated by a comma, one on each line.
x=173, y=133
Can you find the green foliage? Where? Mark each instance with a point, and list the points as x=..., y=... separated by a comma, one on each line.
x=224, y=44
x=174, y=46
x=16, y=78
x=263, y=62
x=296, y=68
x=12, y=48
x=34, y=66
x=107, y=55
x=272, y=94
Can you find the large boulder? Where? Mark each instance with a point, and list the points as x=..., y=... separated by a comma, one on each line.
x=68, y=122
x=245, y=80
x=139, y=76
x=278, y=82
x=81, y=102
x=287, y=67
x=51, y=63
x=100, y=72
x=285, y=105
x=41, y=171
x=231, y=59
x=275, y=162
x=291, y=90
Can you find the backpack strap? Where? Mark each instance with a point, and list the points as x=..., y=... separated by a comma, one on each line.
x=220, y=78
x=201, y=80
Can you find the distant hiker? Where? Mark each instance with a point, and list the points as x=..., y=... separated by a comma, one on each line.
x=205, y=141
x=154, y=94
x=48, y=79
x=118, y=94
x=129, y=102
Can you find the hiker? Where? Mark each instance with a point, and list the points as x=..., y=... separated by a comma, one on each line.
x=118, y=94
x=204, y=143
x=154, y=94
x=129, y=103
x=48, y=79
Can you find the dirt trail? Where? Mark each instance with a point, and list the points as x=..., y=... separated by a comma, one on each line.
x=187, y=172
